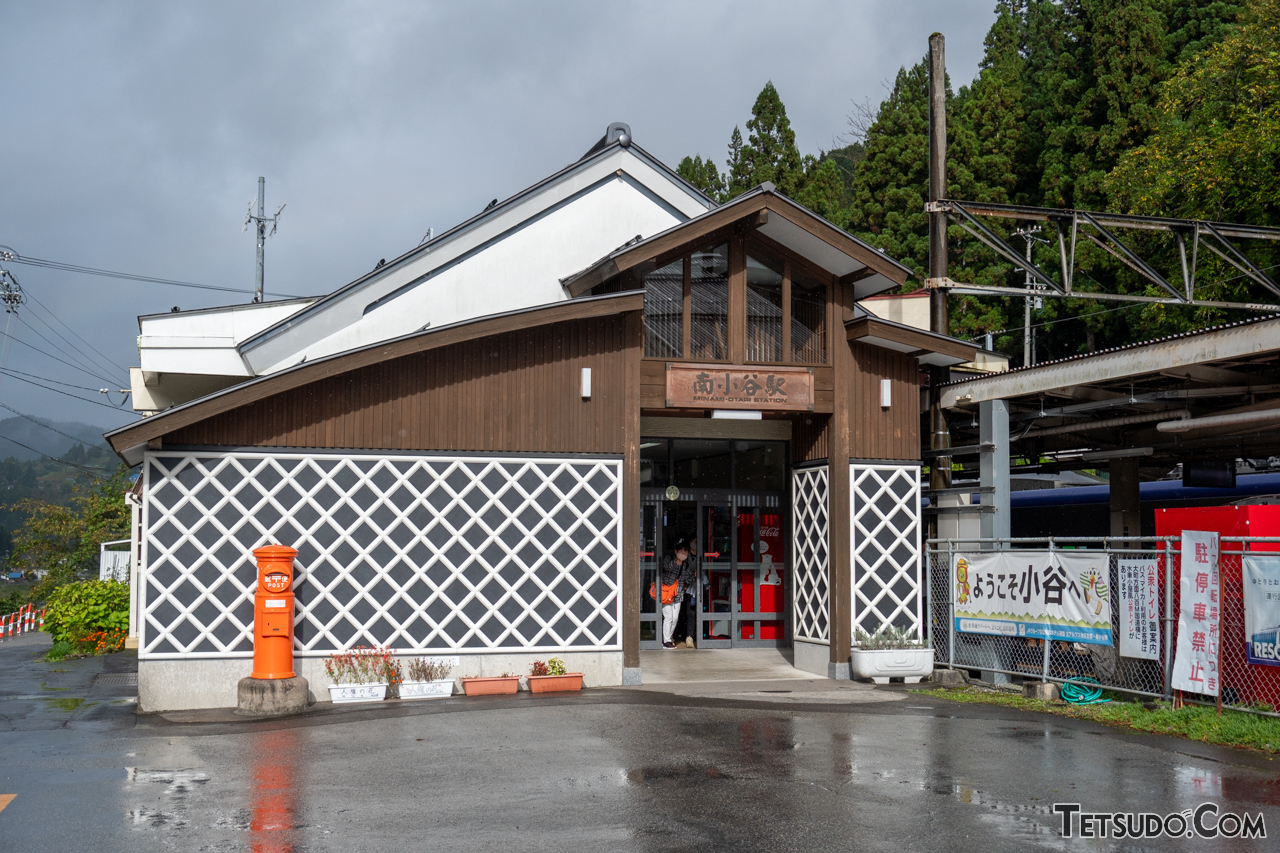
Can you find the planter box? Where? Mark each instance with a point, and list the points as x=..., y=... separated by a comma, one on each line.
x=490, y=686
x=340, y=693
x=426, y=689
x=555, y=683
x=879, y=665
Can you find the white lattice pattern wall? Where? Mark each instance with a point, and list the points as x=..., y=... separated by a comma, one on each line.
x=810, y=531
x=420, y=553
x=885, y=544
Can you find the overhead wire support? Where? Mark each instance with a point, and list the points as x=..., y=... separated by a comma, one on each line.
x=8, y=254
x=1103, y=230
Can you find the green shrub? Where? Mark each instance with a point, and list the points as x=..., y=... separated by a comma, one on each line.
x=77, y=609
x=11, y=602
x=60, y=650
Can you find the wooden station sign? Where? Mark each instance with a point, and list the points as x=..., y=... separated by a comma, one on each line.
x=715, y=386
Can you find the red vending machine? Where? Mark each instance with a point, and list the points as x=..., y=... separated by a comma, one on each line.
x=1242, y=682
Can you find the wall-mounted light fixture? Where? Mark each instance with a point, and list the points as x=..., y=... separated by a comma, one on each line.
x=886, y=393
x=586, y=383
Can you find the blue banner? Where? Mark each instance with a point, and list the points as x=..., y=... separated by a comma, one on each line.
x=1262, y=609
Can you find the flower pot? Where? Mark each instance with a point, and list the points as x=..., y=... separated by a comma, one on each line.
x=491, y=686
x=879, y=665
x=374, y=692
x=555, y=683
x=426, y=689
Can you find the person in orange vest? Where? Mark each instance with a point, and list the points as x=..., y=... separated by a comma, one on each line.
x=677, y=570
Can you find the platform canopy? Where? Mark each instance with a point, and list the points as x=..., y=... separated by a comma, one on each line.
x=1212, y=394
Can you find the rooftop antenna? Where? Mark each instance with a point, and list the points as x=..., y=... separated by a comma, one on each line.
x=261, y=220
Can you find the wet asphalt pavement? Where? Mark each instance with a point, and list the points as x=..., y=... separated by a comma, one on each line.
x=603, y=770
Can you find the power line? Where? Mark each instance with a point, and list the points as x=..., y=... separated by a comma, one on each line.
x=97, y=472
x=13, y=256
x=77, y=334
x=9, y=370
x=87, y=368
x=66, y=394
x=19, y=340
x=88, y=359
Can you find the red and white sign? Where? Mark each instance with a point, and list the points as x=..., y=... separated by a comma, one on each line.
x=1195, y=665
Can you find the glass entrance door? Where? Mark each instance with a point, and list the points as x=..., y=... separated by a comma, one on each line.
x=741, y=597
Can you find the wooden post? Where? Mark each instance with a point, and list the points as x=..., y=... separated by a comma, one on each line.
x=737, y=300
x=939, y=321
x=631, y=503
x=839, y=444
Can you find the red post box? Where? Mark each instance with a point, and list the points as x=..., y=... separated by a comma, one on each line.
x=273, y=613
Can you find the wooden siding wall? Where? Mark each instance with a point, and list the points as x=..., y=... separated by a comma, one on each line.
x=809, y=438
x=515, y=392
x=876, y=433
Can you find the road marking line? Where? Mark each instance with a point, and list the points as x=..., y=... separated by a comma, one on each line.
x=5, y=799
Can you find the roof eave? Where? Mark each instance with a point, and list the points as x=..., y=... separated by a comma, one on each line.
x=129, y=441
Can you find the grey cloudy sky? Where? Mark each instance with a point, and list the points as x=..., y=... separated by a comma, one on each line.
x=134, y=132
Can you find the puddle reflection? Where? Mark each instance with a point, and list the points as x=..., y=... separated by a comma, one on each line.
x=273, y=802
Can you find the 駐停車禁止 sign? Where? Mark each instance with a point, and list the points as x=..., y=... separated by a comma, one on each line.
x=1195, y=662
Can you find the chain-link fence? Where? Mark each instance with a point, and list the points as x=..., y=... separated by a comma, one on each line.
x=1141, y=590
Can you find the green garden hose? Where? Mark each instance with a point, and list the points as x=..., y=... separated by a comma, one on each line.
x=1081, y=691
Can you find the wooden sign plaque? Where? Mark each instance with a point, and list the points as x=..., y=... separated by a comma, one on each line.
x=718, y=386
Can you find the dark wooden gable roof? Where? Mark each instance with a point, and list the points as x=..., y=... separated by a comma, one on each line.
x=791, y=224
x=129, y=441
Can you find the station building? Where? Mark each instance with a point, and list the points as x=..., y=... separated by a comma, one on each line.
x=483, y=448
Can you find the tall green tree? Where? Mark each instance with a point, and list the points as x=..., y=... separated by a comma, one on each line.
x=892, y=181
x=771, y=151
x=63, y=540
x=738, y=167
x=987, y=131
x=823, y=190
x=1215, y=154
x=704, y=175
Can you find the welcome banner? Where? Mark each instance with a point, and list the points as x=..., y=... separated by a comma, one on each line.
x=1043, y=594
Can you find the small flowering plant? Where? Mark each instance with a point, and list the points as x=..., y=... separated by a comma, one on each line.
x=363, y=665
x=555, y=666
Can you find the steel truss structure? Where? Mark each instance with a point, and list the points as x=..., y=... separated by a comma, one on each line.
x=1101, y=229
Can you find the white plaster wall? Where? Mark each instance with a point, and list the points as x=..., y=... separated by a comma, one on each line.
x=520, y=271
x=579, y=240
x=184, y=685
x=908, y=310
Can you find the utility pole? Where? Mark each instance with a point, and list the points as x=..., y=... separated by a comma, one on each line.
x=261, y=220
x=939, y=321
x=1028, y=336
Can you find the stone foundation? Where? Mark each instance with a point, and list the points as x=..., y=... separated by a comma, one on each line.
x=183, y=685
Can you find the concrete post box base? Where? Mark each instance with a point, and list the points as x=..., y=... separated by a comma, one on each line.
x=948, y=678
x=272, y=697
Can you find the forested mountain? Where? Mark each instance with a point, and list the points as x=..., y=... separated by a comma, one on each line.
x=1157, y=107
x=25, y=473
x=42, y=436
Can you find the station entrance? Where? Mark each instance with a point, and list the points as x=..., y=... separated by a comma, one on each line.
x=729, y=497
